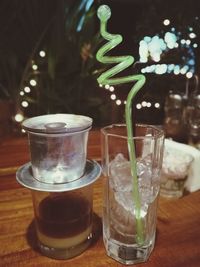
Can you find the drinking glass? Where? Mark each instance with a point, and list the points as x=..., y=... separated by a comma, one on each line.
x=175, y=169
x=120, y=217
x=63, y=221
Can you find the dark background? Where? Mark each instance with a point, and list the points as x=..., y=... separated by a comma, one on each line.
x=66, y=81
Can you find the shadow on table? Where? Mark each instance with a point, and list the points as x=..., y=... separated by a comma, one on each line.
x=31, y=234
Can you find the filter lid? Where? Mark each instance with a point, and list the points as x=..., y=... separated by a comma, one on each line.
x=57, y=123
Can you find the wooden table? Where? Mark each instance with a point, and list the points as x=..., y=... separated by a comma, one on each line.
x=178, y=227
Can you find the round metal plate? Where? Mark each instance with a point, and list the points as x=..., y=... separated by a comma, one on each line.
x=24, y=177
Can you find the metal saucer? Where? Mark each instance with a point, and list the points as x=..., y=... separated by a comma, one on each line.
x=24, y=177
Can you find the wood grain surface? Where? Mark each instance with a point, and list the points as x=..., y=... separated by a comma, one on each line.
x=178, y=227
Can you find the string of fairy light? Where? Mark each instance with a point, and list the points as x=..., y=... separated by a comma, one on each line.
x=118, y=102
x=152, y=48
x=30, y=84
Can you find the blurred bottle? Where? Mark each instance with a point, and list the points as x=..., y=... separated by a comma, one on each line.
x=193, y=119
x=174, y=122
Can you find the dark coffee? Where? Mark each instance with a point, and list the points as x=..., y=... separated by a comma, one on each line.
x=64, y=215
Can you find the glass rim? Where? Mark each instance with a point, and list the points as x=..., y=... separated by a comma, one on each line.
x=159, y=134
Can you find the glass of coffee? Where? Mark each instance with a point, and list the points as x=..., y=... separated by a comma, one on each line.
x=61, y=180
x=63, y=221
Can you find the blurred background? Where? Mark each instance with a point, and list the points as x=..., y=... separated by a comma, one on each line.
x=48, y=64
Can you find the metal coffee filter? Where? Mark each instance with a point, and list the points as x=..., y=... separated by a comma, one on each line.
x=58, y=146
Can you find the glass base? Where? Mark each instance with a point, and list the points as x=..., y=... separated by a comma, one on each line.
x=128, y=254
x=172, y=188
x=65, y=253
x=170, y=193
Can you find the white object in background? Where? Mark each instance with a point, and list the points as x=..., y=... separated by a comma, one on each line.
x=193, y=181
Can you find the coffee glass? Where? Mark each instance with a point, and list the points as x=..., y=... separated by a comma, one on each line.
x=63, y=221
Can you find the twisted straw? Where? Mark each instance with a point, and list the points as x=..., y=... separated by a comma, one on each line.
x=123, y=62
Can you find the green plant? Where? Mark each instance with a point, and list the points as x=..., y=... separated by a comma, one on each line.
x=66, y=75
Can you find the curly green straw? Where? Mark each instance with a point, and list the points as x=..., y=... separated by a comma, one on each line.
x=104, y=13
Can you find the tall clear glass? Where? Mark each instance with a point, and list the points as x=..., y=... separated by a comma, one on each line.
x=120, y=232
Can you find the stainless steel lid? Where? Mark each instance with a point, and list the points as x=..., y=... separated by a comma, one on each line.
x=57, y=123
x=24, y=177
